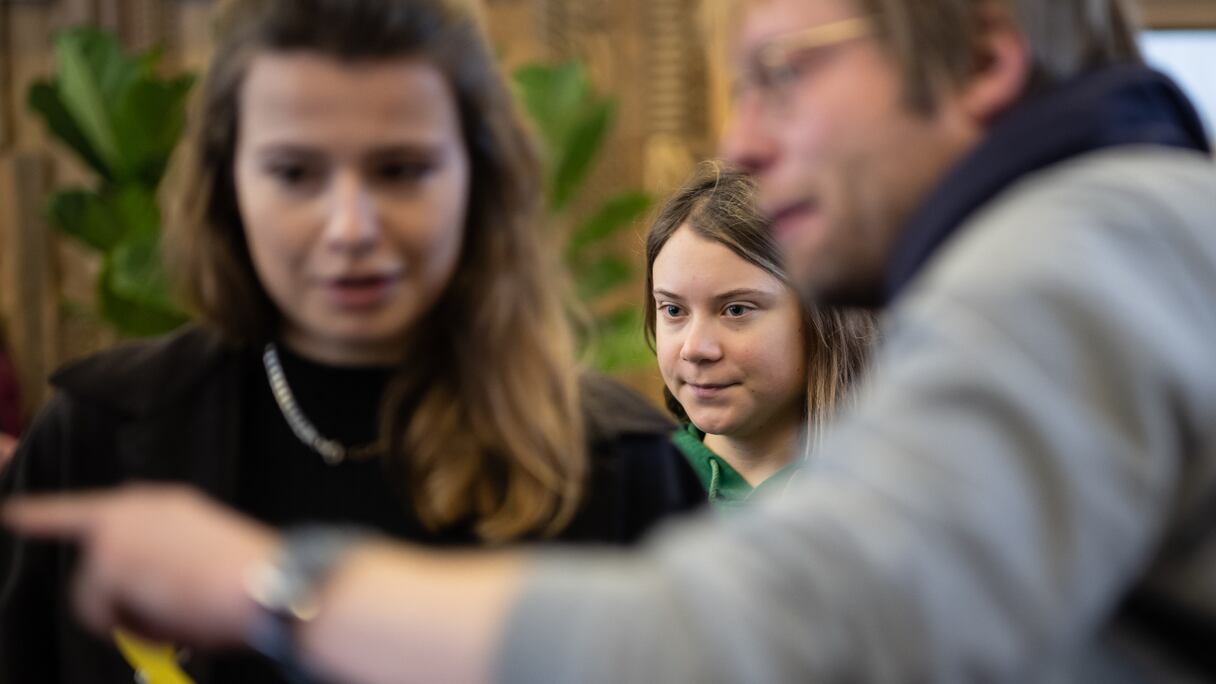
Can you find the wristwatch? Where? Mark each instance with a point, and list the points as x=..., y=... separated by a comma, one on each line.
x=287, y=589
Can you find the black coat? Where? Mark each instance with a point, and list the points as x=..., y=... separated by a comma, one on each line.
x=161, y=411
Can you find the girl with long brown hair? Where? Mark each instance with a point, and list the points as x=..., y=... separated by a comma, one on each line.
x=752, y=373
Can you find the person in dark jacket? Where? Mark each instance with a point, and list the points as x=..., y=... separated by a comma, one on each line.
x=751, y=372
x=382, y=342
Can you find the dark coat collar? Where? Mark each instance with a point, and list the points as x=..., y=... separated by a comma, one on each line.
x=140, y=378
x=178, y=404
x=147, y=379
x=1120, y=105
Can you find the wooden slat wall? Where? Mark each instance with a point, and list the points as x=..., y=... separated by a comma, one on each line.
x=28, y=290
x=27, y=264
x=1180, y=14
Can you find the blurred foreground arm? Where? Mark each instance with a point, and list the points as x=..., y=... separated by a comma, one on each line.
x=171, y=565
x=1034, y=448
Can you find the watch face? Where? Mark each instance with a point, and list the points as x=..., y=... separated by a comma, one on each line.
x=270, y=587
x=286, y=587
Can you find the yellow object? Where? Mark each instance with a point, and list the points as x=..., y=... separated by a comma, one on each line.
x=154, y=663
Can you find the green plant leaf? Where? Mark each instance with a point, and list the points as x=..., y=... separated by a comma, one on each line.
x=106, y=219
x=135, y=271
x=113, y=69
x=86, y=216
x=113, y=110
x=573, y=124
x=149, y=117
x=80, y=89
x=554, y=97
x=136, y=274
x=617, y=214
x=149, y=60
x=43, y=99
x=578, y=151
x=602, y=276
x=619, y=344
x=135, y=206
x=571, y=120
x=531, y=86
x=129, y=310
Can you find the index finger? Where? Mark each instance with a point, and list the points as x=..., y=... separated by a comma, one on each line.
x=61, y=516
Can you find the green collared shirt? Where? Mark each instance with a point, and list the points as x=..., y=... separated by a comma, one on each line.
x=726, y=487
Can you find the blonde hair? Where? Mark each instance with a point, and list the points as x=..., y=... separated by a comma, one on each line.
x=484, y=424
x=719, y=204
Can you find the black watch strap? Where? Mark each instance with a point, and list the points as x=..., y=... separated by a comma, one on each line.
x=287, y=589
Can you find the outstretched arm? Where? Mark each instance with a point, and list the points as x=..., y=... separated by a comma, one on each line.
x=169, y=564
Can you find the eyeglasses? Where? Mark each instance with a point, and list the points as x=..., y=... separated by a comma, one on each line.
x=779, y=64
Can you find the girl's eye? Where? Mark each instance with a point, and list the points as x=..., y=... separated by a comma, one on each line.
x=670, y=310
x=292, y=174
x=737, y=310
x=404, y=171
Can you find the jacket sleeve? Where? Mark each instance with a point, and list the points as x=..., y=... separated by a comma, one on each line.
x=29, y=570
x=70, y=446
x=1011, y=469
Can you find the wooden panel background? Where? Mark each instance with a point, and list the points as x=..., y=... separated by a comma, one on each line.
x=46, y=283
x=649, y=53
x=1180, y=14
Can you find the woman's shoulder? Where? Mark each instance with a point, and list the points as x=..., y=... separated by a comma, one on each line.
x=638, y=477
x=612, y=410
x=148, y=409
x=137, y=377
x=627, y=433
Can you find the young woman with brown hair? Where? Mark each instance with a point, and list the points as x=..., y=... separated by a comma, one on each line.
x=353, y=216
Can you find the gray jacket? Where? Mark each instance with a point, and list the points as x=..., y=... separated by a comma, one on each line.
x=1031, y=466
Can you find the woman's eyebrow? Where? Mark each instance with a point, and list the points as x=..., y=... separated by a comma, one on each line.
x=285, y=149
x=745, y=293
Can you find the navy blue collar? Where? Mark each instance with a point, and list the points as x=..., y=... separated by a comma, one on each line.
x=1120, y=105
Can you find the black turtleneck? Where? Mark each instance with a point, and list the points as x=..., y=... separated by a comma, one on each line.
x=283, y=482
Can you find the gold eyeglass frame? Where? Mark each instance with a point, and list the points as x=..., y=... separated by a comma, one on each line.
x=773, y=59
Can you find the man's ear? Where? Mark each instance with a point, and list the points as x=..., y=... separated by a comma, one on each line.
x=1001, y=65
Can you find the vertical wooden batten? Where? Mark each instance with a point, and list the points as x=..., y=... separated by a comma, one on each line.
x=1179, y=14
x=27, y=262
x=6, y=79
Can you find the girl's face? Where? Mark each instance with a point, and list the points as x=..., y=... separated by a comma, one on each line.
x=352, y=181
x=729, y=338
